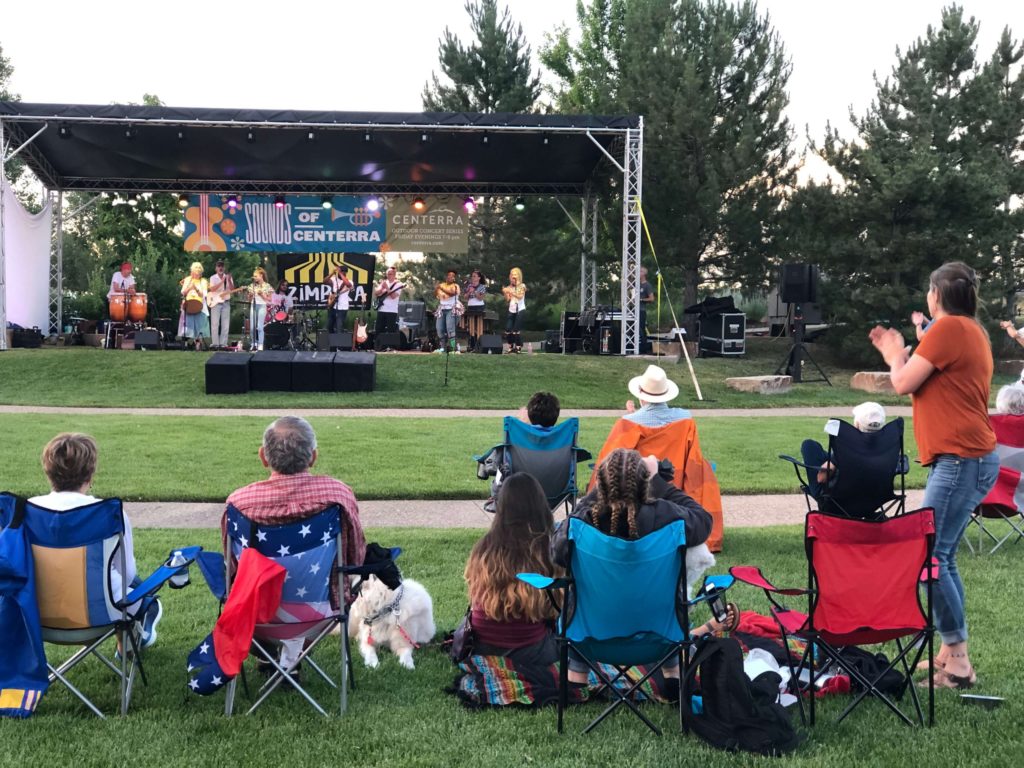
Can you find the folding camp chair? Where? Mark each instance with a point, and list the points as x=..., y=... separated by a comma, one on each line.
x=313, y=554
x=863, y=588
x=866, y=467
x=1006, y=499
x=550, y=454
x=607, y=623
x=72, y=553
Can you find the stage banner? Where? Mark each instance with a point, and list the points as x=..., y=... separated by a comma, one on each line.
x=306, y=274
x=256, y=224
x=442, y=228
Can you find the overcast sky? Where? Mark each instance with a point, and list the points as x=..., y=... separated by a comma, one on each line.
x=355, y=55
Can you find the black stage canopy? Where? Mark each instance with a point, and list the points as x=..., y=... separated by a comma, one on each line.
x=116, y=148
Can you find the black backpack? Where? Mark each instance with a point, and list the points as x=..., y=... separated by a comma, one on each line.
x=739, y=714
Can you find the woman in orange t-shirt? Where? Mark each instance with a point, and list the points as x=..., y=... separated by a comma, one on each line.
x=949, y=375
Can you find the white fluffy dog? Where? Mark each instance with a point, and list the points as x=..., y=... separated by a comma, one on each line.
x=698, y=560
x=400, y=619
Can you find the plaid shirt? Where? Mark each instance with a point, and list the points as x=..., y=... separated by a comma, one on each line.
x=288, y=498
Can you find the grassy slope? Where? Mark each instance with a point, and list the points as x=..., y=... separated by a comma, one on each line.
x=401, y=718
x=192, y=458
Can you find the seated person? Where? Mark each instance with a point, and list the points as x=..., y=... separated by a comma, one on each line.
x=542, y=411
x=1010, y=400
x=654, y=389
x=69, y=461
x=630, y=499
x=867, y=417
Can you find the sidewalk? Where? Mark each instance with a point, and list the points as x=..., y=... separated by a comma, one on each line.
x=739, y=512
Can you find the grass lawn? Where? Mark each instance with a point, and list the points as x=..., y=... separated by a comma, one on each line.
x=402, y=718
x=193, y=458
x=78, y=376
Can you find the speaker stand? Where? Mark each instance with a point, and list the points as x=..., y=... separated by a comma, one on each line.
x=792, y=363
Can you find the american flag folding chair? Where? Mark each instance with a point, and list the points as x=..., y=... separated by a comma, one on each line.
x=73, y=552
x=1006, y=499
x=864, y=587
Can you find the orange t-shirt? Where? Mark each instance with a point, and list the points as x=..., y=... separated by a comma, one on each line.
x=951, y=406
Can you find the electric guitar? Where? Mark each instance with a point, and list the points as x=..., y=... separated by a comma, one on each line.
x=216, y=298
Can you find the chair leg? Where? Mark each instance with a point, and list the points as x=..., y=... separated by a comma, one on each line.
x=343, y=681
x=57, y=675
x=229, y=698
x=563, y=681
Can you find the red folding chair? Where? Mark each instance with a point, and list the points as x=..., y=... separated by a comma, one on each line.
x=1006, y=499
x=863, y=588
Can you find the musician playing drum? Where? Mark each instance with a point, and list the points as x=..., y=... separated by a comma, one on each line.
x=122, y=288
x=195, y=314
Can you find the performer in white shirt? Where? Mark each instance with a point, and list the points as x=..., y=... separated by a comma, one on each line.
x=339, y=299
x=122, y=282
x=219, y=299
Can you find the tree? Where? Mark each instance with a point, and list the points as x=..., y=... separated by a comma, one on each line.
x=13, y=168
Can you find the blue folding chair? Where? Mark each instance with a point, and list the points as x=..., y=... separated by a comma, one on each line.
x=549, y=454
x=625, y=607
x=73, y=552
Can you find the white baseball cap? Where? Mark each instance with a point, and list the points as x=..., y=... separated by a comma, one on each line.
x=869, y=417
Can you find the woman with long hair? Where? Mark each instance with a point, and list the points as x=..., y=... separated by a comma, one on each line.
x=949, y=376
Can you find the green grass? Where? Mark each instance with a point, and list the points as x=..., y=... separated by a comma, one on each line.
x=402, y=718
x=195, y=458
x=77, y=376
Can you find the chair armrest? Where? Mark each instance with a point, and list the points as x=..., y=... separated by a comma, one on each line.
x=751, y=574
x=540, y=581
x=483, y=457
x=582, y=454
x=152, y=583
x=791, y=460
x=712, y=587
x=368, y=569
x=903, y=467
x=213, y=569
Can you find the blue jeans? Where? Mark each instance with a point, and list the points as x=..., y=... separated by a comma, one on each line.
x=955, y=487
x=446, y=325
x=814, y=455
x=260, y=314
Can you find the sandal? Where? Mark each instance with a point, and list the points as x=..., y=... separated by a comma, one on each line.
x=943, y=679
x=922, y=665
x=731, y=626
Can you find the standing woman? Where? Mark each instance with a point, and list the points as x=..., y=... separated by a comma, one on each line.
x=515, y=294
x=195, y=322
x=949, y=375
x=259, y=294
x=447, y=295
x=473, y=292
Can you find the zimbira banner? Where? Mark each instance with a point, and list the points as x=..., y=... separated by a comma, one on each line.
x=307, y=274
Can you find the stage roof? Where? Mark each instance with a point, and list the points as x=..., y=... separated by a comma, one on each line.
x=151, y=149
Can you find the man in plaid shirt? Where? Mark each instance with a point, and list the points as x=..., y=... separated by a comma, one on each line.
x=292, y=493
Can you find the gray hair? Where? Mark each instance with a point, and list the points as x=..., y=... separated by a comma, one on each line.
x=288, y=445
x=1011, y=400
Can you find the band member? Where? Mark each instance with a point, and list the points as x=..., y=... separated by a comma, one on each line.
x=515, y=294
x=282, y=299
x=259, y=297
x=195, y=314
x=447, y=295
x=221, y=286
x=338, y=300
x=122, y=282
x=473, y=292
x=387, y=293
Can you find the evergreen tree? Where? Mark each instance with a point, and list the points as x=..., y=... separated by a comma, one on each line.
x=12, y=168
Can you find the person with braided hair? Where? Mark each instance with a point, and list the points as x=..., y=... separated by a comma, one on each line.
x=631, y=498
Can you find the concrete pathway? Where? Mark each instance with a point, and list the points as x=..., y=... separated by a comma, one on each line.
x=739, y=512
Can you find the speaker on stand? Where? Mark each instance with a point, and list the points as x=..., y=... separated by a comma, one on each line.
x=799, y=285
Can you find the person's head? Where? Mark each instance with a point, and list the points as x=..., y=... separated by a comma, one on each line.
x=621, y=489
x=1010, y=399
x=643, y=274
x=869, y=417
x=518, y=540
x=653, y=386
x=282, y=287
x=543, y=409
x=515, y=276
x=69, y=461
x=476, y=277
x=126, y=268
x=259, y=275
x=289, y=446
x=450, y=276
x=196, y=270
x=953, y=289
x=219, y=267
x=339, y=270
x=392, y=273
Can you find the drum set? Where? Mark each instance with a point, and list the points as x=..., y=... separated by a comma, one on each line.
x=127, y=312
x=284, y=330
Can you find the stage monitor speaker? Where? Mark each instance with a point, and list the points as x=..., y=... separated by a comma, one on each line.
x=313, y=372
x=413, y=313
x=387, y=341
x=334, y=342
x=147, y=339
x=799, y=283
x=277, y=335
x=227, y=373
x=29, y=338
x=355, y=371
x=490, y=344
x=271, y=371
x=570, y=325
x=553, y=341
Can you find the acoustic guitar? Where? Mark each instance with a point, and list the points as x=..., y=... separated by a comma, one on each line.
x=204, y=217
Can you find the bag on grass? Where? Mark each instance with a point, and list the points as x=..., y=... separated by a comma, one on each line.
x=462, y=639
x=737, y=714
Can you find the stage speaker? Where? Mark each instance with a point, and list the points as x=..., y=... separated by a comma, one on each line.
x=799, y=283
x=29, y=338
x=387, y=341
x=313, y=372
x=490, y=344
x=333, y=342
x=227, y=373
x=355, y=371
x=271, y=371
x=553, y=341
x=413, y=313
x=277, y=335
x=147, y=339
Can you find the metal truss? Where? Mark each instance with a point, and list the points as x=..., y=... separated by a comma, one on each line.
x=3, y=254
x=57, y=262
x=632, y=184
x=588, y=247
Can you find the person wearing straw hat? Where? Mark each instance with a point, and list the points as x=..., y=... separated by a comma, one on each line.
x=654, y=389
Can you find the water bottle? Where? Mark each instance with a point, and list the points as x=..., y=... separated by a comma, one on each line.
x=179, y=579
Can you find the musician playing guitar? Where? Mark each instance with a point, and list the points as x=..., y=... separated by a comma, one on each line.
x=339, y=298
x=222, y=284
x=387, y=293
x=195, y=314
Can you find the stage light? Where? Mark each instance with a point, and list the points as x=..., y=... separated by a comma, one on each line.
x=129, y=132
x=470, y=205
x=418, y=205
x=546, y=141
x=373, y=204
x=250, y=136
x=485, y=139
x=64, y=132
x=520, y=204
x=183, y=200
x=310, y=136
x=279, y=201
x=133, y=200
x=424, y=138
x=368, y=138
x=326, y=202
x=181, y=135
x=232, y=202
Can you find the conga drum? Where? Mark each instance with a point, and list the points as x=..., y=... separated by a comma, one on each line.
x=137, y=308
x=119, y=307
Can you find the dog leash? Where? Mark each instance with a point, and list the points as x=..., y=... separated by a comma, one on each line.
x=393, y=607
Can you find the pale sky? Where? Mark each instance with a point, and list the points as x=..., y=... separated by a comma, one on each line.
x=358, y=55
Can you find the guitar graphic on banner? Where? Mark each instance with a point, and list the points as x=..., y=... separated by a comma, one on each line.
x=204, y=238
